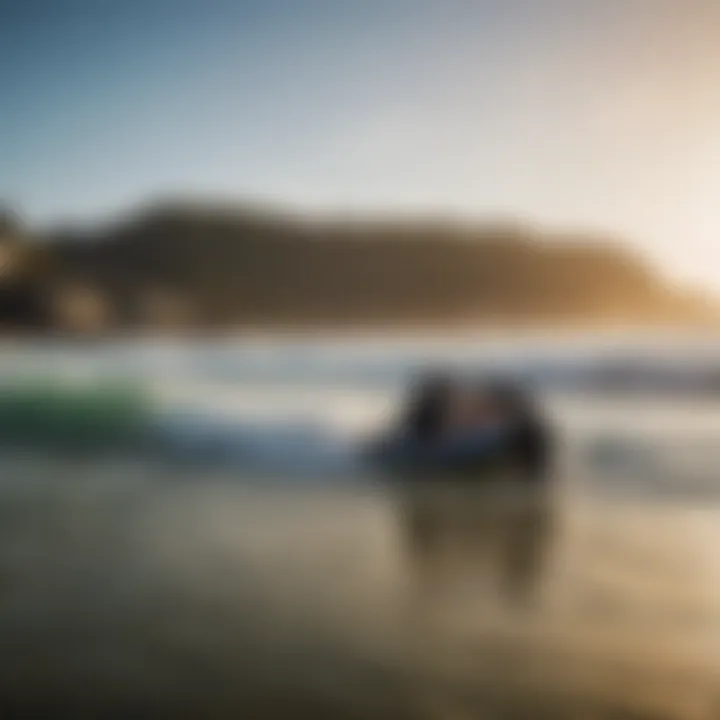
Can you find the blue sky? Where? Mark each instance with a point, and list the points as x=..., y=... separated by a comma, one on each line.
x=600, y=114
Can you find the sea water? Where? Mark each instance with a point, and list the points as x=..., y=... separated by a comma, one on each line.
x=288, y=580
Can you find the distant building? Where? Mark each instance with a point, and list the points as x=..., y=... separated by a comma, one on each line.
x=78, y=308
x=24, y=283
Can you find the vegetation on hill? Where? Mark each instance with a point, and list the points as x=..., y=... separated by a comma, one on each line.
x=201, y=266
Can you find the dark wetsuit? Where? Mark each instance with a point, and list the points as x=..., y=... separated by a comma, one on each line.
x=532, y=447
x=426, y=415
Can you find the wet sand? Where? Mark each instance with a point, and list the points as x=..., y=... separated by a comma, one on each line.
x=130, y=590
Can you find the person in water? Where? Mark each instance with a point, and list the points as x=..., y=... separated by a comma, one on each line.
x=467, y=410
x=486, y=427
x=529, y=442
x=426, y=416
x=448, y=425
x=466, y=417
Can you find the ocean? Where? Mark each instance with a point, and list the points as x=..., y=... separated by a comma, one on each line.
x=273, y=576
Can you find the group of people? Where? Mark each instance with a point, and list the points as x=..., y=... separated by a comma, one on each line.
x=442, y=408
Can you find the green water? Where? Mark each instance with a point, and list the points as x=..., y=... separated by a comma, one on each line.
x=93, y=415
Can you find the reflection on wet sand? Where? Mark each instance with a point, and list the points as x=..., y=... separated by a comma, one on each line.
x=125, y=597
x=459, y=535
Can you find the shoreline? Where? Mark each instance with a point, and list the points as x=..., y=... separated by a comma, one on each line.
x=354, y=332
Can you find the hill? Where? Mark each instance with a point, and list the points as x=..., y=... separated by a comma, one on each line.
x=208, y=267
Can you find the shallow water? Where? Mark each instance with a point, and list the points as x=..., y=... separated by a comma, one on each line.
x=137, y=588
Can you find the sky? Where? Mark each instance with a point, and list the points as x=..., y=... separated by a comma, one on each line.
x=601, y=115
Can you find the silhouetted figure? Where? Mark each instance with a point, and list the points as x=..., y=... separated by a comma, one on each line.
x=502, y=515
x=426, y=413
x=530, y=446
